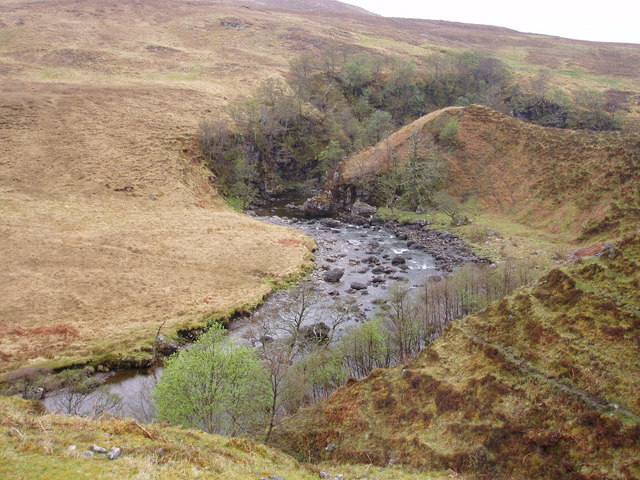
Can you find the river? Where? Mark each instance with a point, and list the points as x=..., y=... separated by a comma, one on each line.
x=370, y=256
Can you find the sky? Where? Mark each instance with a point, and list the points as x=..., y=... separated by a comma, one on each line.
x=604, y=21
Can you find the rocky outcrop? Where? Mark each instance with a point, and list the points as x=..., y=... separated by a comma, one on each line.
x=361, y=209
x=322, y=205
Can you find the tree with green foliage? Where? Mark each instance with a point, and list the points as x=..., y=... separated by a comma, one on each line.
x=215, y=385
x=356, y=73
x=376, y=127
x=448, y=136
x=446, y=204
x=590, y=111
x=319, y=373
x=329, y=157
x=402, y=320
x=244, y=177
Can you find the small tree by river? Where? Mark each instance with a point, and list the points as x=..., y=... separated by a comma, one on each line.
x=216, y=386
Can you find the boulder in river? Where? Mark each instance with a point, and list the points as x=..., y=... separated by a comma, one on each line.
x=317, y=333
x=333, y=275
x=398, y=260
x=319, y=206
x=362, y=209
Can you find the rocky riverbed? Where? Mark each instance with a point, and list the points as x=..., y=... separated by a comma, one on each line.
x=357, y=260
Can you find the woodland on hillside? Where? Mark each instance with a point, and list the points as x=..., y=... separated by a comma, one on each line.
x=341, y=101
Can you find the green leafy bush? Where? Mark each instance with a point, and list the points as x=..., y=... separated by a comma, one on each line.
x=216, y=386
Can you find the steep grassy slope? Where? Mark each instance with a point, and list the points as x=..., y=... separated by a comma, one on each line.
x=583, y=182
x=39, y=445
x=543, y=384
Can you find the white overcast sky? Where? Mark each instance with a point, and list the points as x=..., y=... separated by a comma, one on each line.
x=603, y=21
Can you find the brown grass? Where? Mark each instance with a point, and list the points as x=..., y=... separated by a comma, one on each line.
x=108, y=225
x=577, y=184
x=100, y=102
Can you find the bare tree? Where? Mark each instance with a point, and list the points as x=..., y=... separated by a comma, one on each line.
x=402, y=320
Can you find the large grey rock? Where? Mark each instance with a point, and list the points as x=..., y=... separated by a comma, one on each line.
x=358, y=286
x=334, y=275
x=362, y=209
x=371, y=260
x=319, y=206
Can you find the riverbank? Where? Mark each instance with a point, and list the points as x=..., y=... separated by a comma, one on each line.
x=356, y=260
x=369, y=257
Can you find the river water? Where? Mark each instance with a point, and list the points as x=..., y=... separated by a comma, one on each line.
x=368, y=255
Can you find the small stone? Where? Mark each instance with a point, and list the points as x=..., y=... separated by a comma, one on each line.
x=338, y=477
x=73, y=448
x=99, y=449
x=331, y=447
x=160, y=451
x=358, y=286
x=114, y=453
x=88, y=453
x=325, y=475
x=276, y=477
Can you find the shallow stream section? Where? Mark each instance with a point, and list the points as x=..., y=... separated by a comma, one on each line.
x=370, y=258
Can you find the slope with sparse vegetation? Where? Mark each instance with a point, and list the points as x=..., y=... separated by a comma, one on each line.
x=579, y=183
x=37, y=444
x=539, y=385
x=112, y=226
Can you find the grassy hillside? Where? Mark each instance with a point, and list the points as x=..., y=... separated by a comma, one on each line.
x=40, y=445
x=109, y=226
x=584, y=184
x=542, y=384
